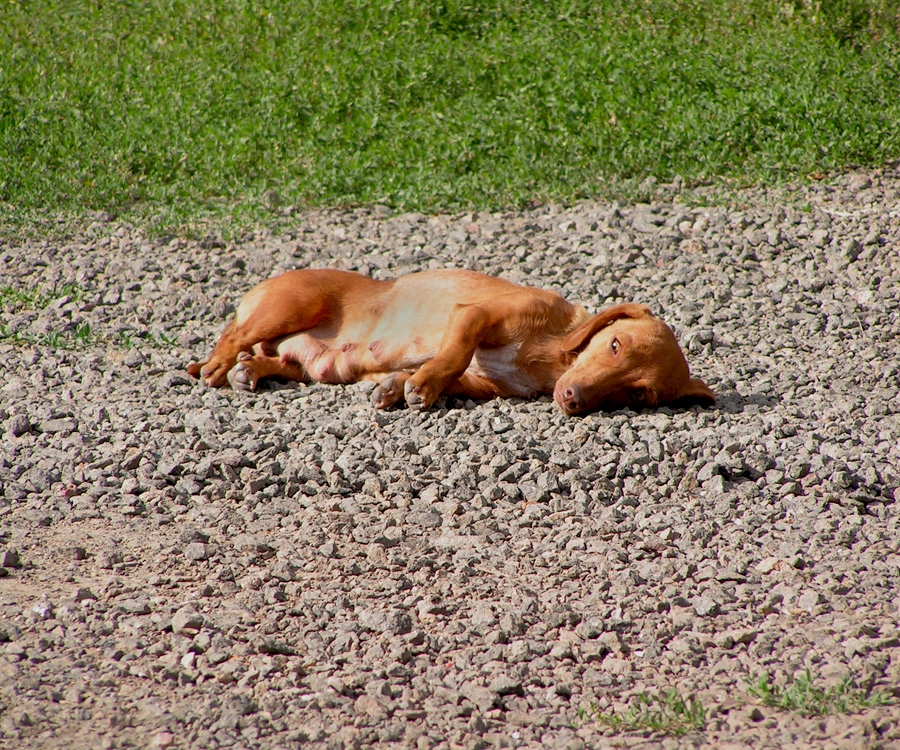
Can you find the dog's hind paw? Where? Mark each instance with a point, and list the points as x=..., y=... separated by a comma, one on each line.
x=241, y=376
x=389, y=392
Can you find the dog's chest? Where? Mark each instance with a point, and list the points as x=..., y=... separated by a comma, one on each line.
x=501, y=364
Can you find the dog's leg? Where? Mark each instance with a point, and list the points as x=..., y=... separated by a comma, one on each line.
x=469, y=327
x=271, y=310
x=477, y=387
x=251, y=368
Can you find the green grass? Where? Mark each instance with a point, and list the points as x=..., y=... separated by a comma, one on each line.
x=664, y=713
x=803, y=696
x=13, y=300
x=84, y=337
x=170, y=112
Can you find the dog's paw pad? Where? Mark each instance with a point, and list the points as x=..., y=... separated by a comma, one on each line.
x=241, y=378
x=382, y=397
x=387, y=393
x=414, y=399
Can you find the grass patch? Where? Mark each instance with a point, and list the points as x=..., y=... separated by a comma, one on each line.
x=803, y=696
x=664, y=713
x=84, y=337
x=170, y=112
x=14, y=300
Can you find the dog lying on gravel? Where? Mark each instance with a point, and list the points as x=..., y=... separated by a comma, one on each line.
x=449, y=332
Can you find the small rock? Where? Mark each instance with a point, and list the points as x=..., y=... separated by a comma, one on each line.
x=808, y=600
x=708, y=471
x=273, y=646
x=851, y=249
x=859, y=182
x=193, y=535
x=505, y=685
x=54, y=426
x=162, y=740
x=106, y=560
x=424, y=518
x=187, y=621
x=196, y=551
x=704, y=606
x=173, y=379
x=768, y=564
x=136, y=606
x=19, y=425
x=42, y=610
x=133, y=359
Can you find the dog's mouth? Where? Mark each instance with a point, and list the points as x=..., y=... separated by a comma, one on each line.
x=573, y=398
x=570, y=399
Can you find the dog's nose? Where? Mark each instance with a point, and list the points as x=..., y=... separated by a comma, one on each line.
x=572, y=398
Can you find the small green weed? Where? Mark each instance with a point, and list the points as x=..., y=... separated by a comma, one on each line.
x=165, y=340
x=15, y=300
x=663, y=713
x=83, y=334
x=809, y=699
x=53, y=340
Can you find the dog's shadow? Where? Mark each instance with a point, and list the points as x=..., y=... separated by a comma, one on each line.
x=732, y=402
x=728, y=401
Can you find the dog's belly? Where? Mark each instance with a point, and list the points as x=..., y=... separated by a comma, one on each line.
x=342, y=359
x=330, y=359
x=501, y=366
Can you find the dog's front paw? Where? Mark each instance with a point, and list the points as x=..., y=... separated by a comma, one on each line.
x=213, y=372
x=419, y=397
x=389, y=392
x=241, y=376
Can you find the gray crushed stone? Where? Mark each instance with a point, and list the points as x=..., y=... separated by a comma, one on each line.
x=193, y=568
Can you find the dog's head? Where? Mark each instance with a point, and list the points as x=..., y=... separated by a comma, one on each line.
x=626, y=356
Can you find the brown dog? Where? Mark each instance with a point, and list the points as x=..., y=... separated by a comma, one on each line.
x=451, y=332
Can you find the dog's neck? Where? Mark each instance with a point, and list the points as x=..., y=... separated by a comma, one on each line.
x=550, y=353
x=579, y=316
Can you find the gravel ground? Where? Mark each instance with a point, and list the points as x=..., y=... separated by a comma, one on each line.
x=186, y=567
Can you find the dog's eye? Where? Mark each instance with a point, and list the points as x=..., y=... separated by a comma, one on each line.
x=615, y=346
x=639, y=396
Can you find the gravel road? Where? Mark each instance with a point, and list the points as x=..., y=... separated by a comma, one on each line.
x=195, y=568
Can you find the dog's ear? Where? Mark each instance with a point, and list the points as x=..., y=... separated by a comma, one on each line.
x=578, y=339
x=697, y=392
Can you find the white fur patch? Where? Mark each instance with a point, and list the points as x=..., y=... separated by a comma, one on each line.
x=501, y=364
